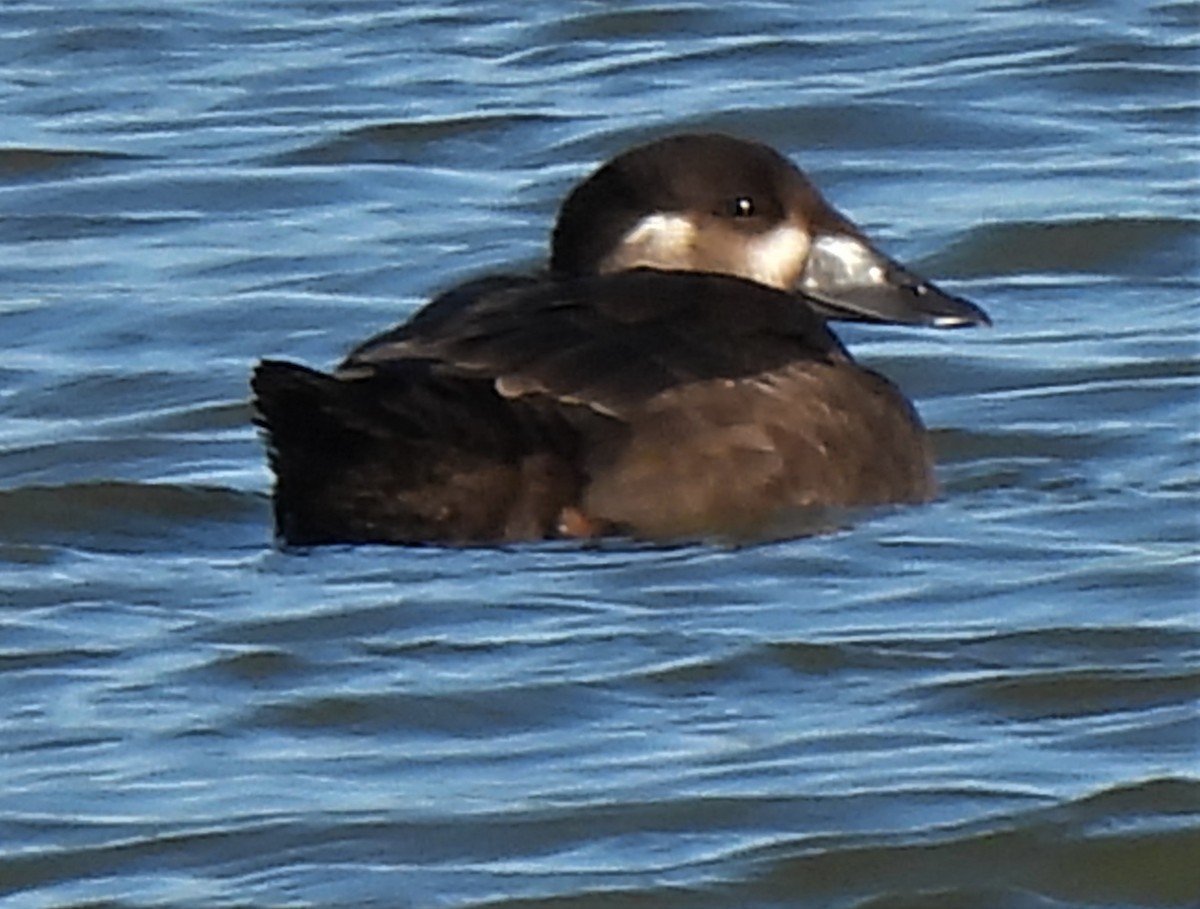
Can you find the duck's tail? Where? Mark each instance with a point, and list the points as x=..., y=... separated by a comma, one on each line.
x=405, y=456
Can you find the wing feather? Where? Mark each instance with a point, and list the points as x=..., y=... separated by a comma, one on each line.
x=611, y=342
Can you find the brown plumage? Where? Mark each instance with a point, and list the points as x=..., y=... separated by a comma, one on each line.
x=647, y=397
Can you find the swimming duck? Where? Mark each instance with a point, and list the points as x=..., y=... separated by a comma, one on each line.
x=670, y=376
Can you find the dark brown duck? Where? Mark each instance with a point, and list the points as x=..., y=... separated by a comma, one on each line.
x=671, y=376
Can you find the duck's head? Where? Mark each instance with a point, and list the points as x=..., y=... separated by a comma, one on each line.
x=713, y=203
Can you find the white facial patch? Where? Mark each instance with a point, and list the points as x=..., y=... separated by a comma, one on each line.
x=776, y=257
x=659, y=240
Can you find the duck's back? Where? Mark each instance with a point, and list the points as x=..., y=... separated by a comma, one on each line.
x=653, y=403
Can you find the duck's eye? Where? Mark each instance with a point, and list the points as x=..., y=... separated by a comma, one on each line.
x=742, y=207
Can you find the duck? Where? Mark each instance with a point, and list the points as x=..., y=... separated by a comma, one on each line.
x=671, y=374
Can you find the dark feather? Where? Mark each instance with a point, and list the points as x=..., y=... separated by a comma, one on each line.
x=610, y=342
x=511, y=402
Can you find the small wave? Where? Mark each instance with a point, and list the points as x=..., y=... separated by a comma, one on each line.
x=412, y=141
x=122, y=515
x=1099, y=246
x=1124, y=845
x=16, y=162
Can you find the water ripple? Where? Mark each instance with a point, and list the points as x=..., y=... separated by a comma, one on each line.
x=987, y=701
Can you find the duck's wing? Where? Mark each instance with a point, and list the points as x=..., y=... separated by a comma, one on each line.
x=609, y=343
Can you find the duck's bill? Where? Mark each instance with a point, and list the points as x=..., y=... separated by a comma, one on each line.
x=847, y=279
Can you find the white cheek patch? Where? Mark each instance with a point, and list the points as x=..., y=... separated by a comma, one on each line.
x=776, y=257
x=657, y=241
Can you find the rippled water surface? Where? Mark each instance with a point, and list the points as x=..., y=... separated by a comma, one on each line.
x=987, y=702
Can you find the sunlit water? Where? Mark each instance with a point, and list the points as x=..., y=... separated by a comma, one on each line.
x=987, y=702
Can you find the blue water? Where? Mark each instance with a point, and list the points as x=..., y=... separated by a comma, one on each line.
x=991, y=701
